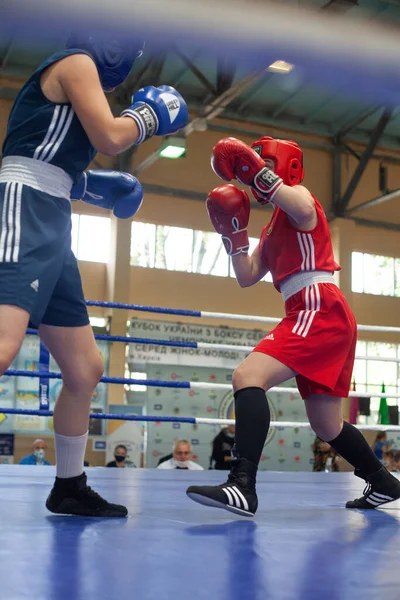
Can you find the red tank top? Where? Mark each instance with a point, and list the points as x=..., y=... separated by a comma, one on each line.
x=286, y=250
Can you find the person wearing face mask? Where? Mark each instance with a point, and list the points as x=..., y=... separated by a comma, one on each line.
x=181, y=455
x=221, y=449
x=38, y=455
x=120, y=455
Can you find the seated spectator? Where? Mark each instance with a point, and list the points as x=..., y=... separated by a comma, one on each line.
x=390, y=460
x=325, y=458
x=120, y=455
x=38, y=455
x=397, y=459
x=181, y=455
x=380, y=445
x=164, y=458
x=221, y=449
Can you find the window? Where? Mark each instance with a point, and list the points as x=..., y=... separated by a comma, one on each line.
x=369, y=375
x=253, y=243
x=91, y=238
x=372, y=274
x=209, y=256
x=143, y=244
x=135, y=375
x=174, y=248
x=181, y=249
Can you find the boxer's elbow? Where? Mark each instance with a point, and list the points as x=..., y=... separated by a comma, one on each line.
x=304, y=213
x=116, y=138
x=110, y=145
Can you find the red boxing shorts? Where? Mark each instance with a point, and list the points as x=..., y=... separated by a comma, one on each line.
x=317, y=339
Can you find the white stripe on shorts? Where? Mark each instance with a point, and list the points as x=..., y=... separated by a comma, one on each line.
x=11, y=223
x=305, y=317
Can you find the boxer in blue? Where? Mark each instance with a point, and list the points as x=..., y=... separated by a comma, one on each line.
x=59, y=120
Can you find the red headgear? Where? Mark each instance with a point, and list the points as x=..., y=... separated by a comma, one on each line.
x=287, y=155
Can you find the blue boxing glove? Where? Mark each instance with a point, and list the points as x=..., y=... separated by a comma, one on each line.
x=157, y=111
x=120, y=192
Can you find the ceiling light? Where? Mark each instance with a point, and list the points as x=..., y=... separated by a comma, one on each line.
x=173, y=147
x=280, y=66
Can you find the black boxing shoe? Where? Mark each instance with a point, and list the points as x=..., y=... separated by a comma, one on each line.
x=382, y=487
x=237, y=495
x=73, y=496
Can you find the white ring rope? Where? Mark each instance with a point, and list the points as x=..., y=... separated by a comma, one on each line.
x=204, y=385
x=294, y=425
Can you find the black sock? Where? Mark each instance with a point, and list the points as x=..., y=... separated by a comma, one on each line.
x=352, y=445
x=252, y=417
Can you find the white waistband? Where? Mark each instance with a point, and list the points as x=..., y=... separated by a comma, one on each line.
x=298, y=281
x=37, y=174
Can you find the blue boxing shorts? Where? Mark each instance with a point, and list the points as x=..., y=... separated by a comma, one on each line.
x=38, y=270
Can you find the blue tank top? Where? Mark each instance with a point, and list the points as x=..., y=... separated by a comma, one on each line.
x=49, y=132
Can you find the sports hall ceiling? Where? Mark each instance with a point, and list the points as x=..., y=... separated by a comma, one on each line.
x=287, y=100
x=215, y=87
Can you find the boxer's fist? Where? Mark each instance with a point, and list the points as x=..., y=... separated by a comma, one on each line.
x=120, y=192
x=229, y=212
x=233, y=159
x=157, y=111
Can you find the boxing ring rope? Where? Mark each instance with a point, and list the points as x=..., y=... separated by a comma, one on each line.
x=216, y=315
x=45, y=375
x=329, y=47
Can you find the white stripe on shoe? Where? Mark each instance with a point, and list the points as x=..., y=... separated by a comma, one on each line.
x=376, y=499
x=206, y=501
x=241, y=496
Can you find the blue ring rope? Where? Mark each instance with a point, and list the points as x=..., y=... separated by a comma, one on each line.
x=116, y=380
x=140, y=307
x=106, y=416
x=134, y=340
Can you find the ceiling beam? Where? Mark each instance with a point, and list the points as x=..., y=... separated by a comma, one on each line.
x=288, y=100
x=317, y=109
x=339, y=6
x=179, y=76
x=373, y=202
x=7, y=54
x=375, y=224
x=376, y=135
x=345, y=129
x=253, y=89
x=225, y=75
x=196, y=72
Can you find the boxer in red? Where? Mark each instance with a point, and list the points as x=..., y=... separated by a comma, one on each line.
x=315, y=342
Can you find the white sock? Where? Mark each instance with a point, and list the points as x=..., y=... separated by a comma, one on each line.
x=70, y=454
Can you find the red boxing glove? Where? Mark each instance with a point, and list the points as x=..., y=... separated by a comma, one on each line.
x=229, y=212
x=233, y=159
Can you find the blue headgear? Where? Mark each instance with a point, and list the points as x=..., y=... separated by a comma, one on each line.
x=114, y=58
